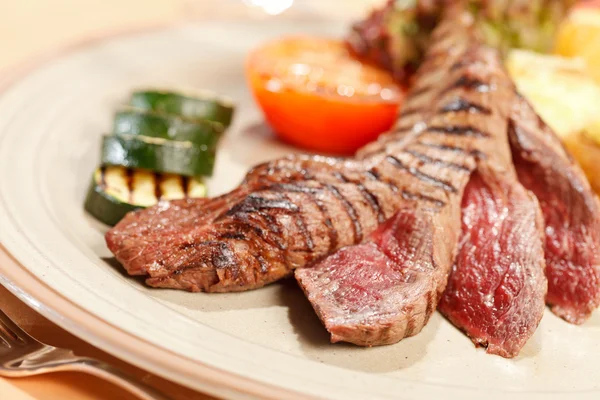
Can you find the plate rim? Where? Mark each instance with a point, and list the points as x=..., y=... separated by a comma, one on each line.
x=75, y=319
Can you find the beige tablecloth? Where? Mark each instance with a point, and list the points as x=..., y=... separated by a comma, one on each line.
x=30, y=30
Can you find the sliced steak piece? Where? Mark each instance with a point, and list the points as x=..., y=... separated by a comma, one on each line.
x=385, y=289
x=571, y=212
x=497, y=287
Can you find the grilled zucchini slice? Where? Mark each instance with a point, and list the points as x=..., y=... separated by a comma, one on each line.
x=205, y=105
x=132, y=121
x=158, y=155
x=115, y=191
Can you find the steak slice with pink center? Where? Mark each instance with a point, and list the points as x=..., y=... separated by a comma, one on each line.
x=385, y=289
x=496, y=290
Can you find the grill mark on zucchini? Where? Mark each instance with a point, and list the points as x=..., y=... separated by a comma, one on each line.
x=102, y=182
x=431, y=160
x=185, y=183
x=129, y=183
x=350, y=210
x=432, y=180
x=157, y=187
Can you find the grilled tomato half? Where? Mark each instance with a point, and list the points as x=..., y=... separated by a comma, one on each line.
x=315, y=95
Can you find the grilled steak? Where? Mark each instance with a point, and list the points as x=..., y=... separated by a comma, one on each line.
x=571, y=212
x=291, y=212
x=497, y=287
x=386, y=289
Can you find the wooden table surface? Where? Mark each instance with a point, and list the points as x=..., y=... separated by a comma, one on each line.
x=30, y=29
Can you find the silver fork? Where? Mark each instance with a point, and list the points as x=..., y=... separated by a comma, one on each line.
x=21, y=355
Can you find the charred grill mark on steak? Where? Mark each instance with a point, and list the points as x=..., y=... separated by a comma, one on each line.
x=303, y=228
x=418, y=91
x=254, y=203
x=460, y=104
x=233, y=235
x=412, y=111
x=442, y=163
x=458, y=130
x=369, y=197
x=457, y=149
x=468, y=83
x=129, y=184
x=350, y=210
x=431, y=305
x=249, y=223
x=224, y=258
x=375, y=175
x=399, y=130
x=372, y=174
x=313, y=193
x=420, y=197
x=459, y=64
x=373, y=202
x=447, y=186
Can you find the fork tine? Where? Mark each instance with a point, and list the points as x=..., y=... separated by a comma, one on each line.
x=11, y=332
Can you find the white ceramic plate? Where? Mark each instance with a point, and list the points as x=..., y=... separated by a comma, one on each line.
x=262, y=343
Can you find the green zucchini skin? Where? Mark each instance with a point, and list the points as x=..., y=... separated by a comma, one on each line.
x=209, y=107
x=104, y=207
x=139, y=122
x=159, y=155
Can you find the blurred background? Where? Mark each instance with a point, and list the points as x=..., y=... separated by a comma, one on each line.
x=29, y=28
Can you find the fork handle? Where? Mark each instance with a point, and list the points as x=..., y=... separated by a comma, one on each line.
x=117, y=377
